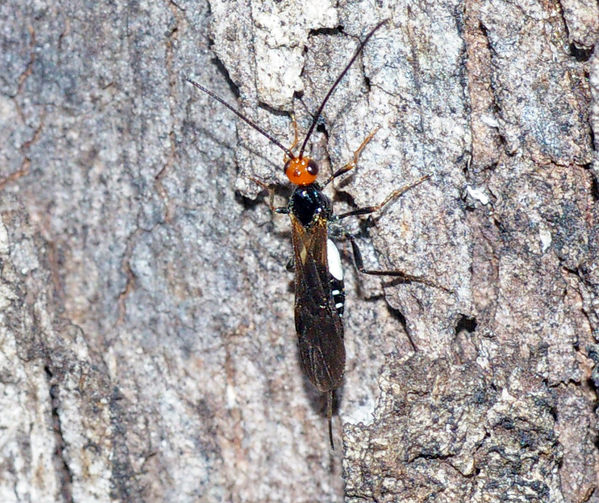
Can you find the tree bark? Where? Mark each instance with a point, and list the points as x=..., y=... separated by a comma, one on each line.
x=148, y=350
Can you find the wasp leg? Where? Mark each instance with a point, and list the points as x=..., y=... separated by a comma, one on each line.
x=354, y=163
x=372, y=209
x=271, y=197
x=295, y=138
x=400, y=275
x=290, y=265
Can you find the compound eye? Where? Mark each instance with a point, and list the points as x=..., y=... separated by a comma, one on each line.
x=312, y=168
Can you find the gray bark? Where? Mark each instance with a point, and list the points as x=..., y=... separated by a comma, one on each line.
x=147, y=341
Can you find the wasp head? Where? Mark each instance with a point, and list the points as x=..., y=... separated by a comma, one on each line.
x=301, y=170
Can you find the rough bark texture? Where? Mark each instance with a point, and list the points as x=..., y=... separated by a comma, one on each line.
x=146, y=332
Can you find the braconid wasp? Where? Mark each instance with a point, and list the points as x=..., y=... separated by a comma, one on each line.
x=319, y=287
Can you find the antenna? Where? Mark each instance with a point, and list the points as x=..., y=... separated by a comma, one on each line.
x=341, y=75
x=243, y=117
x=316, y=115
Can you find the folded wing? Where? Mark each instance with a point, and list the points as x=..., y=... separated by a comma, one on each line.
x=317, y=322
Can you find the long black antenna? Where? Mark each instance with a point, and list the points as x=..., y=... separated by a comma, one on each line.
x=326, y=98
x=243, y=117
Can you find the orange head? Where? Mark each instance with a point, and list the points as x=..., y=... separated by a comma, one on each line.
x=301, y=170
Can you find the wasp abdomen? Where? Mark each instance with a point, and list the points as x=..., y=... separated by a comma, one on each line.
x=338, y=294
x=336, y=277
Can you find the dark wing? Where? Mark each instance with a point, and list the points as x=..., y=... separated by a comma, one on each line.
x=317, y=322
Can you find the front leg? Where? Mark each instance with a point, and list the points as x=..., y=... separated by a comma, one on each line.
x=271, y=197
